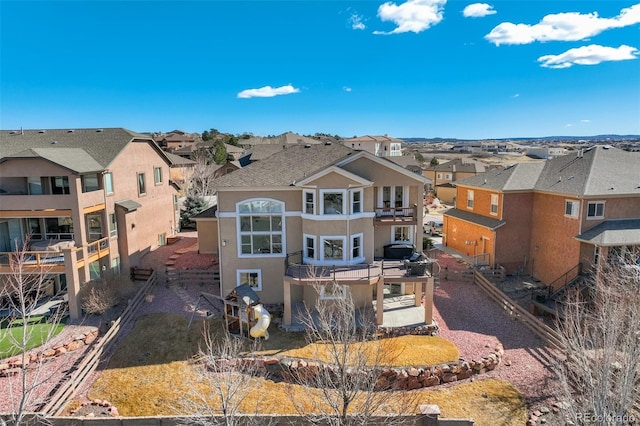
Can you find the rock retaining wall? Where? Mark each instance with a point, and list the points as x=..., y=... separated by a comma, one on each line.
x=12, y=366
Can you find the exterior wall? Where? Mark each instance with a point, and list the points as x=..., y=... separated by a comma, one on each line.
x=614, y=208
x=362, y=295
x=446, y=194
x=207, y=236
x=156, y=216
x=554, y=250
x=469, y=238
x=513, y=238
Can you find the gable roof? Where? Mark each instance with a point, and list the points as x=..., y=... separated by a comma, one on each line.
x=285, y=167
x=370, y=138
x=178, y=161
x=599, y=171
x=458, y=165
x=386, y=162
x=333, y=169
x=87, y=149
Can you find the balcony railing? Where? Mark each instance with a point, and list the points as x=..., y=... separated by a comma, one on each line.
x=96, y=249
x=397, y=214
x=295, y=268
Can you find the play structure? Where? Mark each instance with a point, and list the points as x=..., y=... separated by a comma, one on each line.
x=243, y=312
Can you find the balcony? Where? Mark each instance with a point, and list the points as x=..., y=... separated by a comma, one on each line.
x=396, y=215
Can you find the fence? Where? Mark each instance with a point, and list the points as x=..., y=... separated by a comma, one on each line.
x=186, y=277
x=514, y=310
x=91, y=360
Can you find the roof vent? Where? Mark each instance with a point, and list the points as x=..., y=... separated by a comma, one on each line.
x=99, y=130
x=70, y=130
x=327, y=142
x=306, y=145
x=54, y=142
x=41, y=131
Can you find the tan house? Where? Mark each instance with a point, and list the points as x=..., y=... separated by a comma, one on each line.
x=324, y=207
x=88, y=202
x=444, y=175
x=380, y=146
x=181, y=171
x=551, y=219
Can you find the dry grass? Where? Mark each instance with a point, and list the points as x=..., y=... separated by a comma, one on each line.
x=149, y=373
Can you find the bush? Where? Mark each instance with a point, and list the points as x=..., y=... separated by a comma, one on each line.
x=98, y=296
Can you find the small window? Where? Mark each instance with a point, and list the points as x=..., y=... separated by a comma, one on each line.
x=494, y=204
x=595, y=210
x=356, y=201
x=470, y=199
x=309, y=247
x=438, y=175
x=571, y=208
x=309, y=202
x=252, y=277
x=108, y=183
x=447, y=176
x=90, y=183
x=162, y=239
x=157, y=175
x=401, y=234
x=60, y=185
x=356, y=246
x=115, y=265
x=142, y=187
x=113, y=227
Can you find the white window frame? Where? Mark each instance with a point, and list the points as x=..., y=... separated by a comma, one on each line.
x=595, y=203
x=470, y=196
x=575, y=208
x=305, y=247
x=495, y=200
x=393, y=234
x=343, y=192
x=108, y=183
x=113, y=231
x=313, y=201
x=324, y=296
x=438, y=175
x=353, y=203
x=345, y=248
x=360, y=257
x=448, y=176
x=157, y=175
x=142, y=184
x=239, y=233
x=258, y=272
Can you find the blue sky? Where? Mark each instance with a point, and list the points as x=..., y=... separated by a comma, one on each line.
x=418, y=68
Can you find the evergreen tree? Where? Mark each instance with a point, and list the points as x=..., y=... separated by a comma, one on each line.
x=193, y=205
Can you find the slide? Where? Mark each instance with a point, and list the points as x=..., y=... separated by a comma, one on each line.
x=264, y=319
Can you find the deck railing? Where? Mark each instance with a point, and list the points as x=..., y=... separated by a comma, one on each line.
x=397, y=213
x=296, y=268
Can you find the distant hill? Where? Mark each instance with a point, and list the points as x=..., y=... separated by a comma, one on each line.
x=544, y=138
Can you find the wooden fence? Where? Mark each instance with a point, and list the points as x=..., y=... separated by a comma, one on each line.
x=186, y=277
x=90, y=361
x=516, y=311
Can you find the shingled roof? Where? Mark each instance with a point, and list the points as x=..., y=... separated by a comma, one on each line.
x=80, y=150
x=285, y=167
x=598, y=171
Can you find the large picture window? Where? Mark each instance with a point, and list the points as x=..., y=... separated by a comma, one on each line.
x=333, y=202
x=260, y=224
x=333, y=249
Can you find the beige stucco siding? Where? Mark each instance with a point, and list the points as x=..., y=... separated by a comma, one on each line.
x=207, y=236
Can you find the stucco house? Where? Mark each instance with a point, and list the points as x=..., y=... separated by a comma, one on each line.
x=322, y=206
x=87, y=201
x=380, y=146
x=552, y=219
x=445, y=174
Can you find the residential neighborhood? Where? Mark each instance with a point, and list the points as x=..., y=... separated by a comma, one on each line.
x=402, y=241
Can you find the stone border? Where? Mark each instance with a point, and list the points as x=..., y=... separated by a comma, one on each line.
x=12, y=366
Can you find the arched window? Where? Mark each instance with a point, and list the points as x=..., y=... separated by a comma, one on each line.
x=260, y=227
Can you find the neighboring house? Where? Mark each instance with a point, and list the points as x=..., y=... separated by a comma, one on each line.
x=408, y=162
x=181, y=170
x=552, y=219
x=380, y=146
x=285, y=139
x=545, y=152
x=102, y=194
x=443, y=175
x=176, y=139
x=321, y=205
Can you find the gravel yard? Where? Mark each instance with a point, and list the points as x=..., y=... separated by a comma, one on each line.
x=466, y=316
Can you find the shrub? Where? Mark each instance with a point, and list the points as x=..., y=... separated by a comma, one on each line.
x=98, y=296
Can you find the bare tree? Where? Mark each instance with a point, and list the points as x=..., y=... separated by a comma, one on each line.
x=202, y=176
x=600, y=329
x=24, y=291
x=349, y=358
x=220, y=396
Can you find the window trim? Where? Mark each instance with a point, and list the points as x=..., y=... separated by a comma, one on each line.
x=496, y=198
x=112, y=232
x=313, y=201
x=360, y=257
x=305, y=247
x=353, y=203
x=333, y=261
x=595, y=203
x=470, y=199
x=155, y=176
x=240, y=233
x=258, y=272
x=343, y=192
x=575, y=208
x=141, y=184
x=393, y=234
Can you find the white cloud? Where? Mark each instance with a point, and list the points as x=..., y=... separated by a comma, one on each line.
x=356, y=22
x=346, y=89
x=589, y=55
x=570, y=26
x=517, y=95
x=411, y=16
x=585, y=121
x=268, y=92
x=478, y=10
